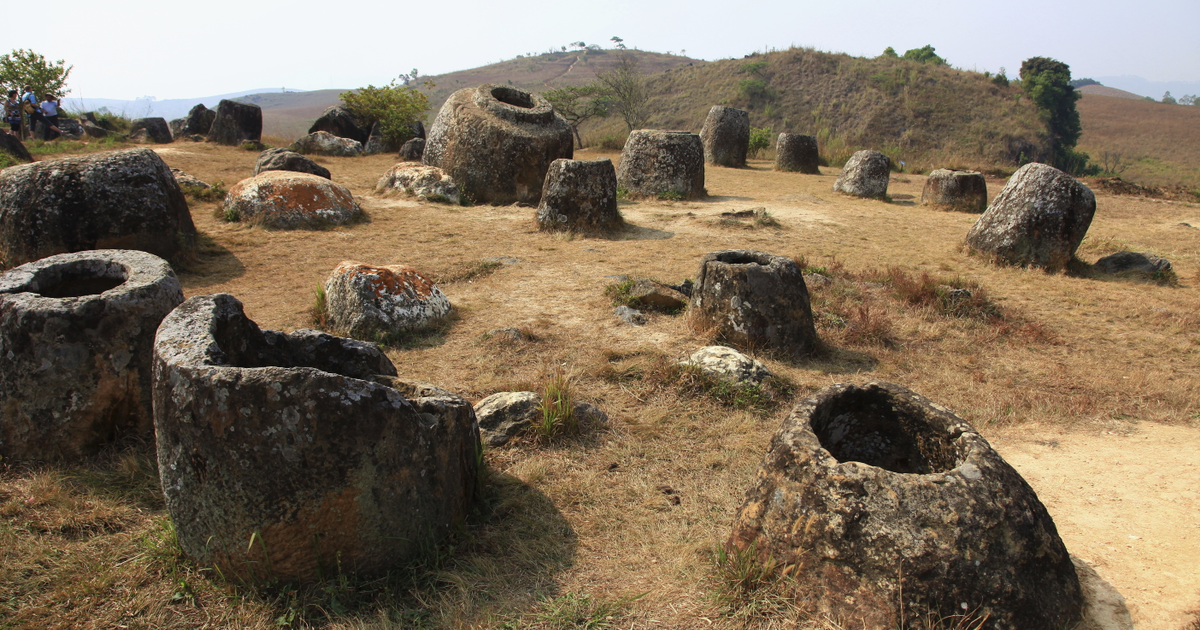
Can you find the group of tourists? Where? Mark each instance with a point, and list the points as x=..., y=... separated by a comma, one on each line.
x=26, y=112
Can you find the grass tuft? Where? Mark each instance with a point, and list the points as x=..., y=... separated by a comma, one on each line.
x=556, y=412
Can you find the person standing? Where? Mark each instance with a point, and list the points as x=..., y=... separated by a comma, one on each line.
x=12, y=114
x=50, y=113
x=29, y=103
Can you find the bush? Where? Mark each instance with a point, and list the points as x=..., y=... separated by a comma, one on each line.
x=760, y=138
x=394, y=107
x=925, y=54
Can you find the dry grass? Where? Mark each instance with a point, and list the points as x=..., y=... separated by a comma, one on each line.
x=617, y=525
x=1158, y=144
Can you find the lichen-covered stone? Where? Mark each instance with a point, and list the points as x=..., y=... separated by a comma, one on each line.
x=176, y=125
x=185, y=179
x=580, y=196
x=279, y=159
x=155, y=130
x=427, y=183
x=291, y=456
x=497, y=143
x=1038, y=219
x=338, y=121
x=413, y=150
x=13, y=146
x=236, y=124
x=726, y=136
x=871, y=490
x=505, y=415
x=198, y=122
x=288, y=200
x=866, y=174
x=729, y=365
x=1133, y=263
x=952, y=189
x=325, y=143
x=797, y=153
x=365, y=301
x=755, y=300
x=657, y=162
x=114, y=200
x=76, y=335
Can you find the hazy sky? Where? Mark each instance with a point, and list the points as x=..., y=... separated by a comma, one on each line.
x=132, y=48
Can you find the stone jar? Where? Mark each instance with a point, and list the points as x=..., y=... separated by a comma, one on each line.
x=113, y=200
x=365, y=301
x=150, y=130
x=580, y=196
x=869, y=491
x=279, y=159
x=866, y=174
x=236, y=124
x=797, y=153
x=294, y=456
x=76, y=335
x=952, y=189
x=726, y=136
x=662, y=163
x=755, y=300
x=497, y=143
x=1038, y=219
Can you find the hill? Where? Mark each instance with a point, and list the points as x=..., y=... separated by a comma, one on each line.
x=166, y=108
x=288, y=115
x=1104, y=90
x=1151, y=143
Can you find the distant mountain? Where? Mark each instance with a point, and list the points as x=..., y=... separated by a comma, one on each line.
x=1104, y=90
x=167, y=108
x=1153, y=89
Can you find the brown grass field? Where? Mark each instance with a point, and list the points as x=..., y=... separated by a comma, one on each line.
x=1158, y=144
x=1090, y=387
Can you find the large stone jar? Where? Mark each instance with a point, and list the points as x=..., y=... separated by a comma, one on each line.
x=726, y=136
x=76, y=334
x=236, y=124
x=580, y=196
x=292, y=456
x=755, y=300
x=1038, y=219
x=497, y=143
x=662, y=164
x=953, y=189
x=797, y=153
x=873, y=495
x=866, y=174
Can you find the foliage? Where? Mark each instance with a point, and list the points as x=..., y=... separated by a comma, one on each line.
x=395, y=107
x=1047, y=82
x=216, y=192
x=889, y=52
x=753, y=67
x=556, y=412
x=925, y=54
x=577, y=104
x=112, y=121
x=1078, y=83
x=21, y=67
x=754, y=89
x=1188, y=99
x=1001, y=78
x=760, y=138
x=627, y=87
x=1168, y=99
x=318, y=313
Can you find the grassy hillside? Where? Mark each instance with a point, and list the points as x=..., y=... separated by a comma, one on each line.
x=1154, y=144
x=928, y=116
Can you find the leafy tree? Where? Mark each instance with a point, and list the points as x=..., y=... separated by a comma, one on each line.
x=890, y=52
x=1047, y=82
x=394, y=107
x=627, y=87
x=618, y=42
x=577, y=104
x=1001, y=78
x=1188, y=99
x=25, y=67
x=760, y=138
x=924, y=55
x=1168, y=99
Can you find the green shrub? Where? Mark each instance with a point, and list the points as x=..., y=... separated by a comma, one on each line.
x=7, y=160
x=924, y=54
x=394, y=107
x=760, y=138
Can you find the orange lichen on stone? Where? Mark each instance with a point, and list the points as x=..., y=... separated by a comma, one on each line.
x=286, y=199
x=390, y=279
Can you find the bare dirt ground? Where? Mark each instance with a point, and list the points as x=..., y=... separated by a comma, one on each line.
x=1093, y=392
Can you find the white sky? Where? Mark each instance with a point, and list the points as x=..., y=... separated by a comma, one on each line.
x=126, y=49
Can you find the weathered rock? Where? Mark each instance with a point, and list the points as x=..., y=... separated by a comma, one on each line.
x=728, y=365
x=726, y=136
x=796, y=152
x=952, y=189
x=367, y=302
x=657, y=163
x=236, y=124
x=287, y=160
x=113, y=200
x=176, y=125
x=76, y=335
x=873, y=490
x=413, y=150
x=631, y=315
x=1103, y=606
x=1133, y=263
x=338, y=121
x=14, y=147
x=866, y=174
x=376, y=143
x=95, y=131
x=199, y=121
x=184, y=179
x=497, y=143
x=288, y=200
x=71, y=129
x=325, y=143
x=506, y=415
x=153, y=130
x=580, y=196
x=427, y=183
x=655, y=295
x=1038, y=220
x=299, y=443
x=755, y=300
x=418, y=128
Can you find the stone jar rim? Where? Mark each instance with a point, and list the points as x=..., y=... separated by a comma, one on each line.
x=120, y=267
x=513, y=104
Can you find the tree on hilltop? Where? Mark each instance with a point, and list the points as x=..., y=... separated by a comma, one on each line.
x=1168, y=99
x=21, y=67
x=577, y=104
x=1047, y=82
x=925, y=54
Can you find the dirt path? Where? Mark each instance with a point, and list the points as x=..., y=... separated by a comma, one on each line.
x=564, y=73
x=1127, y=504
